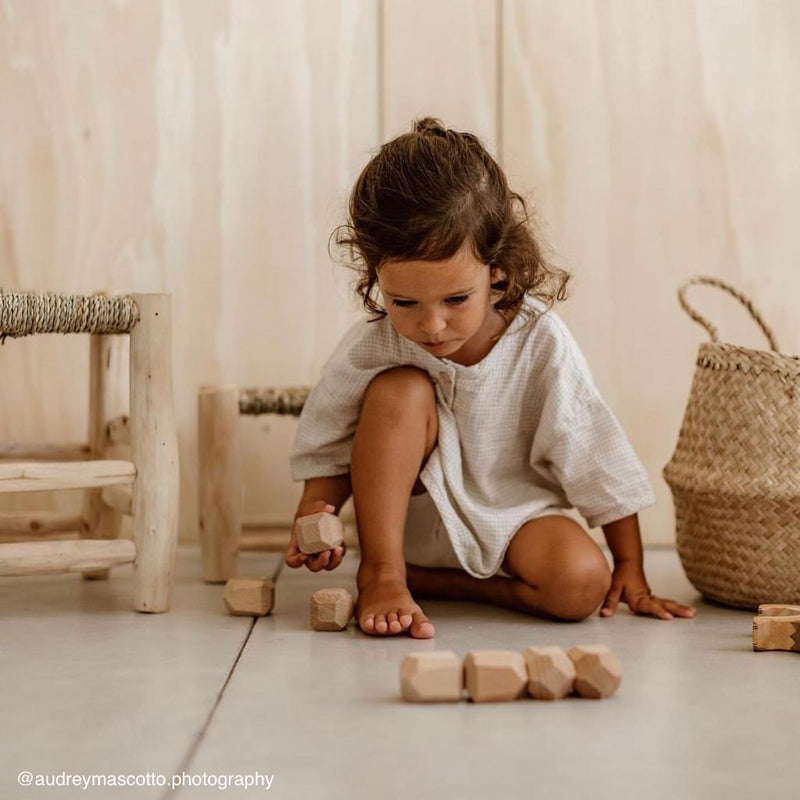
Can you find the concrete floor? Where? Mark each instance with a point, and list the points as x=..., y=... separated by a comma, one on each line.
x=89, y=687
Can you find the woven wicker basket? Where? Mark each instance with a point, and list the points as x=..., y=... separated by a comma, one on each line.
x=735, y=473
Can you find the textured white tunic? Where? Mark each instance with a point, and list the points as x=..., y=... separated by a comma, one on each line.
x=522, y=430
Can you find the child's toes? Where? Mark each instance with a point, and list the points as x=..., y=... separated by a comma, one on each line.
x=367, y=624
x=421, y=627
x=394, y=624
x=405, y=619
x=381, y=625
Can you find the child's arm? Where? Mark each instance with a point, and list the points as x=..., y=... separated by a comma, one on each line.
x=334, y=490
x=320, y=494
x=628, y=582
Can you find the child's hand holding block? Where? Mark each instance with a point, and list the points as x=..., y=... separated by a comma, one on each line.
x=431, y=677
x=249, y=597
x=598, y=672
x=551, y=673
x=494, y=675
x=318, y=532
x=331, y=609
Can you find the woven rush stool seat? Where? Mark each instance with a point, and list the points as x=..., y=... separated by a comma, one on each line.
x=221, y=525
x=143, y=486
x=27, y=313
x=289, y=401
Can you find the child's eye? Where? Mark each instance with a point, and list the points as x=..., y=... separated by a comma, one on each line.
x=451, y=301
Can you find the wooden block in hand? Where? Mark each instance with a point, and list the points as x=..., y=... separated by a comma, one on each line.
x=551, y=673
x=249, y=597
x=494, y=675
x=776, y=633
x=776, y=610
x=598, y=672
x=331, y=609
x=318, y=532
x=437, y=676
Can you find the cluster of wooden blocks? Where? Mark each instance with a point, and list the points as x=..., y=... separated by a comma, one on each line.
x=777, y=627
x=331, y=609
x=547, y=673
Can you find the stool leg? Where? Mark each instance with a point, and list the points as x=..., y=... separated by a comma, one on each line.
x=154, y=451
x=101, y=522
x=219, y=460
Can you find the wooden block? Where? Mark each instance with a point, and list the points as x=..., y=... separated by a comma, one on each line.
x=776, y=633
x=598, y=672
x=551, y=673
x=318, y=532
x=437, y=676
x=331, y=609
x=776, y=610
x=494, y=675
x=249, y=597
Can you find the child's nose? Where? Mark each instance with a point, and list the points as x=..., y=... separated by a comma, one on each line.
x=432, y=324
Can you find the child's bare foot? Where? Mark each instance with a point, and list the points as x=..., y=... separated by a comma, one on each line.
x=385, y=605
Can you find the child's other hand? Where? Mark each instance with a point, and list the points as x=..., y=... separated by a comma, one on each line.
x=327, y=559
x=629, y=585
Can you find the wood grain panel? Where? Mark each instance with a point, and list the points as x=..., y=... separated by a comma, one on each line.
x=207, y=149
x=298, y=122
x=654, y=141
x=204, y=149
x=440, y=59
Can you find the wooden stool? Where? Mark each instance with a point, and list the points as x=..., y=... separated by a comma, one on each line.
x=146, y=487
x=219, y=460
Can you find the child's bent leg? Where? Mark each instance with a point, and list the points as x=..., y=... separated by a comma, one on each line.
x=560, y=570
x=557, y=571
x=396, y=433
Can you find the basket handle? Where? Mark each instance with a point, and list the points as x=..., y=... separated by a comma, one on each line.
x=712, y=331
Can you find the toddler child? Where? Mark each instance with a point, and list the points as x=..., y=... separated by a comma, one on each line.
x=463, y=417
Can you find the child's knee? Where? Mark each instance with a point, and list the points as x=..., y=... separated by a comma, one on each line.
x=404, y=391
x=403, y=384
x=575, y=592
x=581, y=591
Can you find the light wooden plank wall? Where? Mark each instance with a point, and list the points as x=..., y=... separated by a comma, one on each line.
x=207, y=149
x=200, y=148
x=656, y=140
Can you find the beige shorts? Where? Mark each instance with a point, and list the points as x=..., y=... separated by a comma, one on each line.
x=426, y=542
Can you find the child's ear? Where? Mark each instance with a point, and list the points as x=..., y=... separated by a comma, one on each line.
x=498, y=281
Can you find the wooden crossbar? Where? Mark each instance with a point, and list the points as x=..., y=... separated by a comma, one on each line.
x=36, y=523
x=45, y=558
x=34, y=451
x=48, y=476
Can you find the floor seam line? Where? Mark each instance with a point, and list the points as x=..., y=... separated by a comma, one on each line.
x=171, y=793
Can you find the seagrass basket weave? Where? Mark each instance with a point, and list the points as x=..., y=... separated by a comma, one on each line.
x=735, y=472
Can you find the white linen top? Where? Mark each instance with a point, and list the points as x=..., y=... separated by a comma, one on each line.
x=522, y=430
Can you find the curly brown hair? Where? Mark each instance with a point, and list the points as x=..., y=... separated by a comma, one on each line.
x=425, y=194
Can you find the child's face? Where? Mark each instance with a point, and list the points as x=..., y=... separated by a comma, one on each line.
x=444, y=306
